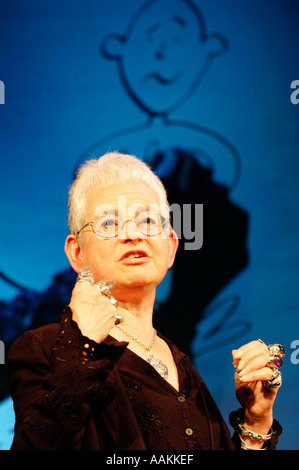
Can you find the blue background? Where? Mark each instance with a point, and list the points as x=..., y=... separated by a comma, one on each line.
x=66, y=101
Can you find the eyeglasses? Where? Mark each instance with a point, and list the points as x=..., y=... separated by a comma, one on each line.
x=149, y=224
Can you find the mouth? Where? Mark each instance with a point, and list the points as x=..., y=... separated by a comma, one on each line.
x=135, y=257
x=163, y=80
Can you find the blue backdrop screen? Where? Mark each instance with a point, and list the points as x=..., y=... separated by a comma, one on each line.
x=207, y=93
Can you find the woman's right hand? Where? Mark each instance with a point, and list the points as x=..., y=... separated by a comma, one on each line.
x=92, y=311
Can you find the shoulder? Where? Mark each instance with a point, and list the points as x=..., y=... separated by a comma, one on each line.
x=39, y=339
x=28, y=359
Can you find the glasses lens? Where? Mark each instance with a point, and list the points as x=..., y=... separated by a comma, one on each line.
x=150, y=224
x=106, y=227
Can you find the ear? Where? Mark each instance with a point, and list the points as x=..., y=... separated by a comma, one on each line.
x=112, y=45
x=216, y=44
x=73, y=252
x=173, y=243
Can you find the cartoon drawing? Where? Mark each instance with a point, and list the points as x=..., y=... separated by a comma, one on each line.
x=162, y=57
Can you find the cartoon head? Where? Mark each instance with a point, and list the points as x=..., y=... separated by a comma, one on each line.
x=163, y=54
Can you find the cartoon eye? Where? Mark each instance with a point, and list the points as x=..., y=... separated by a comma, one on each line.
x=150, y=32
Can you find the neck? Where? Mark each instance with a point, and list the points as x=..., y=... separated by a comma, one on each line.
x=137, y=312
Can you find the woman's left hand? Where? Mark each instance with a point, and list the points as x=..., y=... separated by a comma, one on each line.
x=257, y=400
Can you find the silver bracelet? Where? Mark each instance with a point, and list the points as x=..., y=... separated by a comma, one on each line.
x=245, y=446
x=254, y=435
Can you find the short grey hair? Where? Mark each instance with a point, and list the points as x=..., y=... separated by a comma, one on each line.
x=111, y=168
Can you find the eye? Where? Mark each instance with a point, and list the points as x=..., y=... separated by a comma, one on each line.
x=148, y=220
x=106, y=224
x=109, y=223
x=151, y=31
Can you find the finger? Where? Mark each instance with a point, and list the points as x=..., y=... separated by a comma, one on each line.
x=82, y=286
x=84, y=293
x=247, y=347
x=265, y=373
x=254, y=365
x=255, y=353
x=253, y=362
x=85, y=288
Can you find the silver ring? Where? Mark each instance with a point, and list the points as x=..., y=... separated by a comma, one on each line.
x=275, y=381
x=276, y=354
x=106, y=287
x=118, y=319
x=85, y=275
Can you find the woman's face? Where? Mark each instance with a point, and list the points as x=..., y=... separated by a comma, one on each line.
x=131, y=260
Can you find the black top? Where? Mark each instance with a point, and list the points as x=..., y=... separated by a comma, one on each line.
x=166, y=418
x=72, y=393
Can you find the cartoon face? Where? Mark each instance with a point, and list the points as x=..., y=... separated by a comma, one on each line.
x=164, y=54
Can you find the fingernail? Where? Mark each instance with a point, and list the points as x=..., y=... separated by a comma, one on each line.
x=243, y=372
x=244, y=378
x=241, y=364
x=239, y=353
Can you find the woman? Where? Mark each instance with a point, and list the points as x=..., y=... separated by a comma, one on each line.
x=103, y=378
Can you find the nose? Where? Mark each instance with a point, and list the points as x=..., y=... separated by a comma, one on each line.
x=160, y=53
x=132, y=231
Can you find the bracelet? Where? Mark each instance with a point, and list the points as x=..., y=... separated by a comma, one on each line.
x=254, y=435
x=245, y=446
x=236, y=420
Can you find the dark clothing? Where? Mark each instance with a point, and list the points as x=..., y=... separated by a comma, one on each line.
x=168, y=419
x=72, y=393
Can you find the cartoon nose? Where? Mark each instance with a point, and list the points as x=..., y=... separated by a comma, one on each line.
x=160, y=53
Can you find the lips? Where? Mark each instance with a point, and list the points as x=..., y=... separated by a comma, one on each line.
x=134, y=255
x=135, y=258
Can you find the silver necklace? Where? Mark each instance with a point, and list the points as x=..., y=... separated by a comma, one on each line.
x=160, y=367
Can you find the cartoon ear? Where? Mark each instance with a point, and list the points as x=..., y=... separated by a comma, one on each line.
x=216, y=44
x=112, y=45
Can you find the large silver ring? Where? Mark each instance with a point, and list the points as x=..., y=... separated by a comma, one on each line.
x=275, y=381
x=106, y=287
x=85, y=275
x=276, y=354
